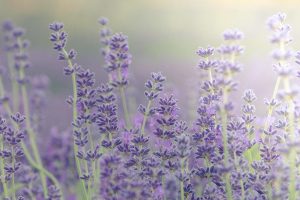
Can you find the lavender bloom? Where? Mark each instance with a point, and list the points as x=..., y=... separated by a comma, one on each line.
x=107, y=120
x=58, y=156
x=154, y=87
x=38, y=99
x=204, y=53
x=166, y=118
x=54, y=193
x=9, y=40
x=205, y=63
x=280, y=30
x=118, y=59
x=21, y=56
x=165, y=133
x=59, y=39
x=13, y=139
x=105, y=34
x=12, y=152
x=113, y=177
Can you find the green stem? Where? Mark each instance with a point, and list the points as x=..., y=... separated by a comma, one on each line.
x=124, y=102
x=271, y=107
x=293, y=153
x=11, y=190
x=97, y=168
x=181, y=182
x=2, y=163
x=163, y=183
x=91, y=141
x=225, y=143
x=13, y=174
x=241, y=180
x=146, y=117
x=14, y=84
x=226, y=153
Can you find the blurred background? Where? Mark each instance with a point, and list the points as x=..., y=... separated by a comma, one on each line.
x=163, y=36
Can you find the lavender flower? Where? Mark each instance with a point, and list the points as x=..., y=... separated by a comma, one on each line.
x=12, y=152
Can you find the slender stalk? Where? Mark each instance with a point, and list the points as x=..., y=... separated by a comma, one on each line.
x=293, y=153
x=271, y=107
x=224, y=119
x=210, y=73
x=13, y=174
x=124, y=101
x=249, y=153
x=163, y=183
x=11, y=190
x=226, y=153
x=146, y=117
x=91, y=141
x=74, y=84
x=88, y=126
x=39, y=168
x=97, y=168
x=181, y=182
x=14, y=84
x=241, y=180
x=4, y=185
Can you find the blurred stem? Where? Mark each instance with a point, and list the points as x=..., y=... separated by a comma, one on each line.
x=163, y=182
x=124, y=101
x=293, y=153
x=271, y=107
x=209, y=72
x=2, y=171
x=74, y=84
x=86, y=168
x=14, y=84
x=181, y=182
x=91, y=141
x=249, y=152
x=237, y=166
x=13, y=174
x=97, y=168
x=226, y=153
x=224, y=119
x=11, y=190
x=146, y=117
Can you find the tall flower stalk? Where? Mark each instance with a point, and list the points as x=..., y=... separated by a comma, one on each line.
x=154, y=87
x=59, y=39
x=281, y=37
x=118, y=60
x=228, y=66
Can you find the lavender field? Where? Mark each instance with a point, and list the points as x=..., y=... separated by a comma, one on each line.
x=104, y=118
